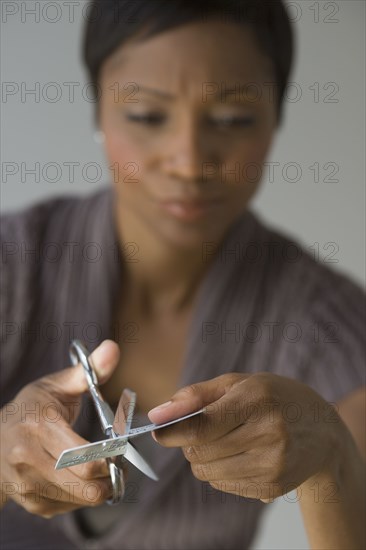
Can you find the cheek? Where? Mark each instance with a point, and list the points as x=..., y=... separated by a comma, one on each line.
x=242, y=168
x=125, y=159
x=127, y=167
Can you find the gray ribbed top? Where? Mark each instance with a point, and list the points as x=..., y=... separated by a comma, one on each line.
x=287, y=314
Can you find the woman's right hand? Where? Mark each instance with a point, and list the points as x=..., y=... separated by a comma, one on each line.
x=36, y=428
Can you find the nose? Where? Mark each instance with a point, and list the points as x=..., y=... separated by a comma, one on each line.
x=186, y=152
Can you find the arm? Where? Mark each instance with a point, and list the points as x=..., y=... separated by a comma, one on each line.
x=333, y=502
x=259, y=438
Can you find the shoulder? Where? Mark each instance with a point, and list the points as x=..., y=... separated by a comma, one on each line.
x=300, y=275
x=26, y=234
x=20, y=235
x=30, y=238
x=39, y=219
x=318, y=312
x=46, y=220
x=22, y=226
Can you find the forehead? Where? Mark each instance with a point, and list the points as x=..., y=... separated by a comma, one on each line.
x=183, y=58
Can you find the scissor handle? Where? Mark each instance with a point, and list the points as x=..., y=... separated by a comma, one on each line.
x=79, y=354
x=117, y=483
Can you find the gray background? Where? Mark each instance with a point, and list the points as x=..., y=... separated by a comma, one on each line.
x=328, y=217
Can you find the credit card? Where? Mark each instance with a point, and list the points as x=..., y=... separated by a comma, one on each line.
x=110, y=447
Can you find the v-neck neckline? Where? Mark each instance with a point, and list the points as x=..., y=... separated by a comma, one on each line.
x=215, y=295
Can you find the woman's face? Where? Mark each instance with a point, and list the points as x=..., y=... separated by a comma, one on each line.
x=188, y=118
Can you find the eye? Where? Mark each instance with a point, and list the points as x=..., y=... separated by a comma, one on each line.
x=149, y=119
x=232, y=121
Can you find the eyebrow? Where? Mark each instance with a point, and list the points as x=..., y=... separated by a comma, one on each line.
x=154, y=91
x=220, y=93
x=233, y=89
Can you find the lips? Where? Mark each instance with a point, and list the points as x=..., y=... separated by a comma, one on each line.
x=190, y=209
x=191, y=201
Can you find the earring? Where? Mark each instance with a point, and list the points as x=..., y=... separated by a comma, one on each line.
x=99, y=136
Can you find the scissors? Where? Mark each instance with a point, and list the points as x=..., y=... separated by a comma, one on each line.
x=117, y=448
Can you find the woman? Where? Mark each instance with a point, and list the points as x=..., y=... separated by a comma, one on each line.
x=205, y=306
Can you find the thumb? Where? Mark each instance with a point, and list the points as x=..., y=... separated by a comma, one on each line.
x=194, y=397
x=72, y=381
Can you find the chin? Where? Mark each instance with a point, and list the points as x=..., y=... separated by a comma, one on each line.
x=191, y=236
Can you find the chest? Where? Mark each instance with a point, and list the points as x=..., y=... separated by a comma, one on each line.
x=151, y=361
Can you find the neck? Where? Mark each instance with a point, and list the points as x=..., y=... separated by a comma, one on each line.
x=162, y=278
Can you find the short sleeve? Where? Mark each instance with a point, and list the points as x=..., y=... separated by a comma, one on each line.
x=19, y=237
x=333, y=362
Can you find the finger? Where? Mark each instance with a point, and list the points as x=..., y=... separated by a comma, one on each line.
x=55, y=441
x=105, y=358
x=248, y=488
x=64, y=485
x=38, y=476
x=72, y=381
x=46, y=508
x=52, y=497
x=194, y=397
x=239, y=440
x=219, y=418
x=240, y=466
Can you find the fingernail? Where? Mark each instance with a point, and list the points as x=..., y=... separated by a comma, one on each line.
x=160, y=407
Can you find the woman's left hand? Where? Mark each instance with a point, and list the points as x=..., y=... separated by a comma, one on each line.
x=260, y=437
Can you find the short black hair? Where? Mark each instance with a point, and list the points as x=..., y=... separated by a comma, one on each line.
x=110, y=23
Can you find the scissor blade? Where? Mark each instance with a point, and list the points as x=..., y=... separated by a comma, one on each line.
x=124, y=413
x=91, y=451
x=137, y=460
